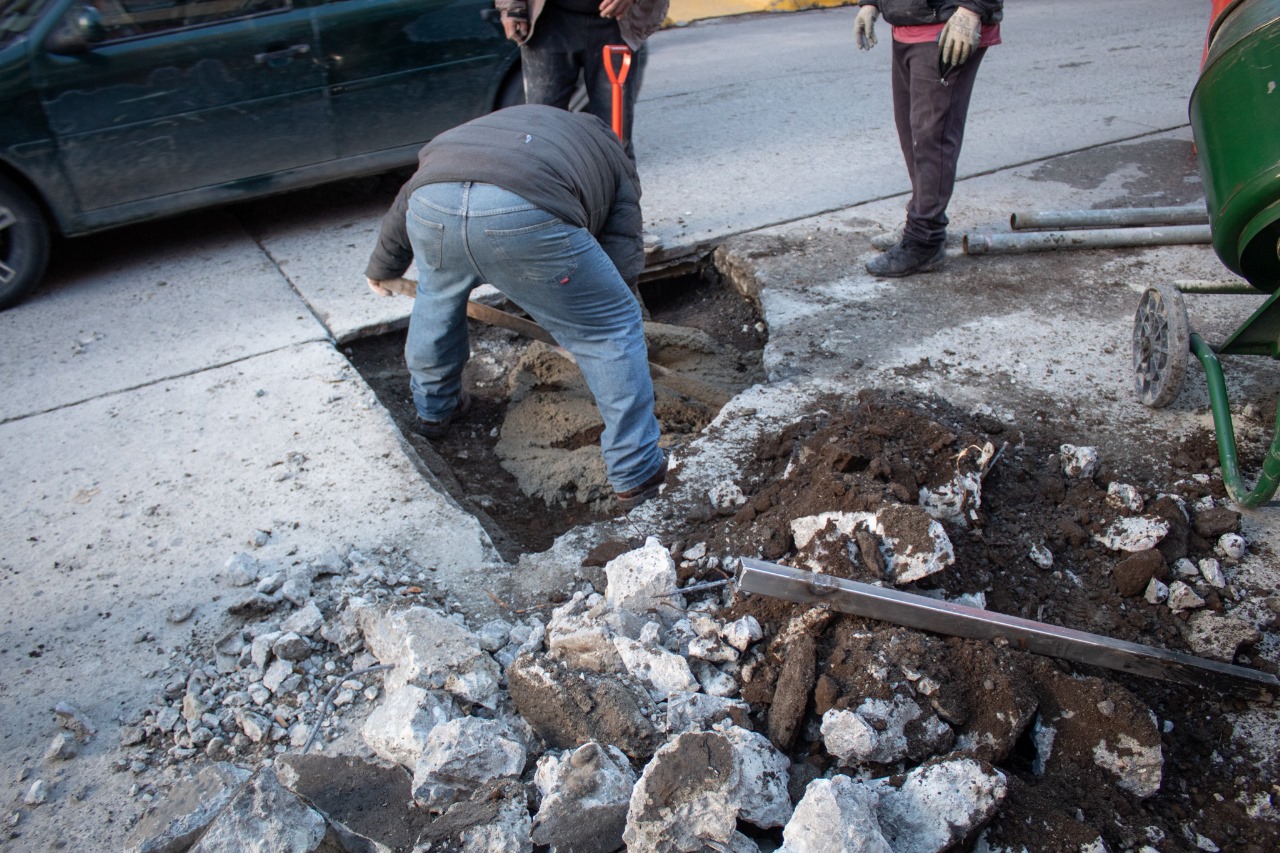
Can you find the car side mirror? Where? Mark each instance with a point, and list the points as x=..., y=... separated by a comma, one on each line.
x=79, y=31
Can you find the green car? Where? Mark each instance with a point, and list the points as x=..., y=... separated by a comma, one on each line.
x=119, y=111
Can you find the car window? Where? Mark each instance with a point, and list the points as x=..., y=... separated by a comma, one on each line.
x=16, y=16
x=127, y=18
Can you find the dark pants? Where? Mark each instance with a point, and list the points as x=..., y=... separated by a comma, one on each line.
x=930, y=112
x=566, y=43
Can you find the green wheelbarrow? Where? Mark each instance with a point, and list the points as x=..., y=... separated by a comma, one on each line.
x=1235, y=118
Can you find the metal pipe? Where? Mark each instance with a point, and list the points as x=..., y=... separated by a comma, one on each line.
x=1102, y=238
x=1270, y=478
x=1201, y=286
x=1121, y=217
x=946, y=617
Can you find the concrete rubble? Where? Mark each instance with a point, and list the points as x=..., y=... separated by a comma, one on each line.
x=617, y=721
x=610, y=711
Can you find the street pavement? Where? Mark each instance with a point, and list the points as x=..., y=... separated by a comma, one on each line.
x=178, y=387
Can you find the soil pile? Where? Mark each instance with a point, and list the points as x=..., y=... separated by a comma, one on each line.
x=1082, y=747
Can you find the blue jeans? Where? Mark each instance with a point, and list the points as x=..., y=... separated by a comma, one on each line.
x=466, y=234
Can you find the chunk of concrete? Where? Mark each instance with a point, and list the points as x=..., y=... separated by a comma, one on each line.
x=1218, y=637
x=431, y=652
x=660, y=671
x=835, y=814
x=697, y=786
x=397, y=730
x=912, y=544
x=645, y=581
x=366, y=804
x=508, y=832
x=1133, y=533
x=462, y=755
x=581, y=633
x=881, y=731
x=696, y=712
x=1086, y=724
x=681, y=801
x=568, y=708
x=585, y=796
x=172, y=824
x=265, y=817
x=939, y=806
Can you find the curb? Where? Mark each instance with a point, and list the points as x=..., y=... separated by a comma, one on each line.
x=686, y=11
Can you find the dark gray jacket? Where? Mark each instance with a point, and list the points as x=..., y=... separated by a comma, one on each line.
x=904, y=13
x=569, y=164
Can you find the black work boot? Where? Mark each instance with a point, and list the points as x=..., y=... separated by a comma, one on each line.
x=907, y=258
x=439, y=429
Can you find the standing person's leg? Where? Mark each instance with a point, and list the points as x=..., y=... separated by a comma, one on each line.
x=563, y=278
x=598, y=33
x=437, y=346
x=938, y=110
x=930, y=114
x=552, y=59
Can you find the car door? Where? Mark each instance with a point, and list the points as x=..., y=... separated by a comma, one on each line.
x=401, y=71
x=173, y=96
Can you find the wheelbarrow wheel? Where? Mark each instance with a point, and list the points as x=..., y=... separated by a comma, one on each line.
x=1161, y=343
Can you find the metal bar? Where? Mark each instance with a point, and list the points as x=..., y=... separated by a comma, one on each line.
x=1192, y=285
x=1109, y=218
x=945, y=617
x=1100, y=238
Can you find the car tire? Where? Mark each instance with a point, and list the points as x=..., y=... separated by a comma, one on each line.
x=24, y=244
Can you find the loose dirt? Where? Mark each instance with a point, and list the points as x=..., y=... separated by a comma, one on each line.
x=1062, y=733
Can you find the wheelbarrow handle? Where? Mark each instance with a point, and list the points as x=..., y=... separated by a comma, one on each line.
x=617, y=76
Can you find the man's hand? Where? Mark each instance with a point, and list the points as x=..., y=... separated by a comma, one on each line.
x=614, y=8
x=516, y=30
x=864, y=27
x=377, y=288
x=960, y=37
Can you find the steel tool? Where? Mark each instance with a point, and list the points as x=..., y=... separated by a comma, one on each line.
x=945, y=617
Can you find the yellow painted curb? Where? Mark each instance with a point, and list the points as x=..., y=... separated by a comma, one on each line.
x=684, y=11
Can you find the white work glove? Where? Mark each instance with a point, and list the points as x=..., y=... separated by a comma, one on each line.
x=864, y=27
x=959, y=37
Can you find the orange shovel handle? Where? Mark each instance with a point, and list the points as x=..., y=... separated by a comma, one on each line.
x=617, y=77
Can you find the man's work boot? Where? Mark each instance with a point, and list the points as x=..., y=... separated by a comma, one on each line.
x=886, y=241
x=908, y=258
x=632, y=498
x=439, y=429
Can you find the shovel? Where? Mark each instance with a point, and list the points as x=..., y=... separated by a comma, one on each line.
x=616, y=78
x=694, y=389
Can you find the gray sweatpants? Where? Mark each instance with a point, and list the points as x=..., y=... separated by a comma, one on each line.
x=930, y=113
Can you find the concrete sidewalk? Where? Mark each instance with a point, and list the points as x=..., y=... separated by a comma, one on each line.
x=178, y=392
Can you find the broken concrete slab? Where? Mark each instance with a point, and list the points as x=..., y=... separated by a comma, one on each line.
x=367, y=805
x=1218, y=637
x=397, y=730
x=645, y=581
x=461, y=756
x=266, y=817
x=568, y=708
x=699, y=785
x=433, y=652
x=174, y=823
x=835, y=814
x=908, y=543
x=585, y=796
x=939, y=805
